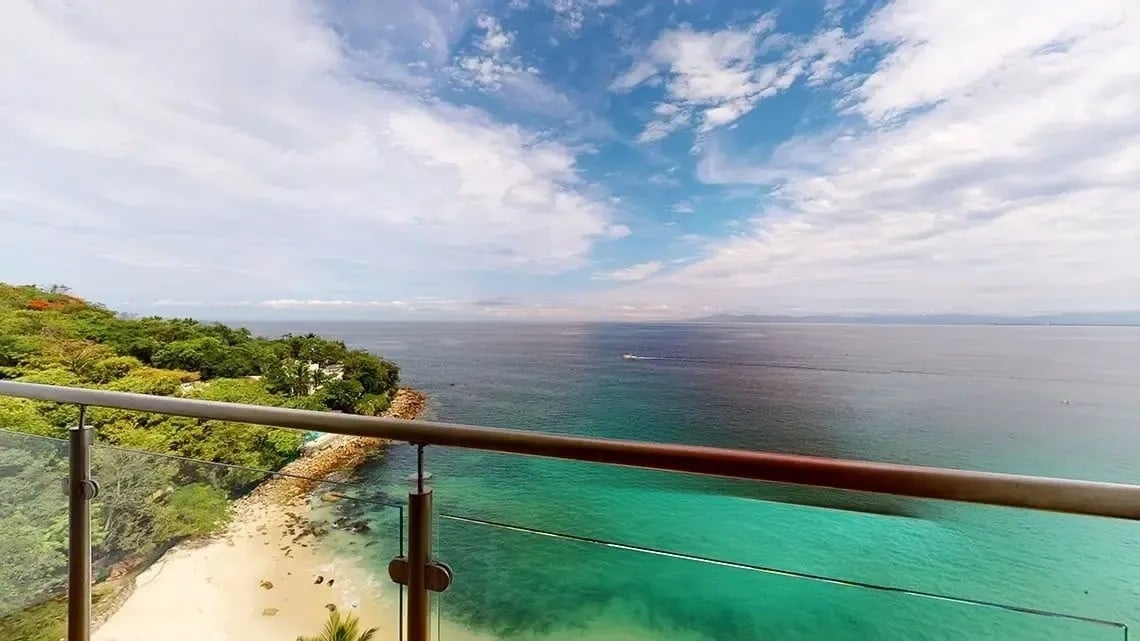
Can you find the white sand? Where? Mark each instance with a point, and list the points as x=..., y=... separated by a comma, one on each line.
x=211, y=591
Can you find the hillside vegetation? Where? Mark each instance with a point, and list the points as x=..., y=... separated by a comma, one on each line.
x=49, y=336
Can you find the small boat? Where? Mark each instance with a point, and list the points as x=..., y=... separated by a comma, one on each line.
x=629, y=357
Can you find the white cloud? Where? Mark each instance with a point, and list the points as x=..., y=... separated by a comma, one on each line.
x=225, y=150
x=576, y=311
x=664, y=179
x=825, y=52
x=713, y=71
x=718, y=76
x=485, y=71
x=618, y=231
x=641, y=71
x=167, y=302
x=396, y=41
x=669, y=118
x=1012, y=188
x=683, y=207
x=336, y=304
x=573, y=13
x=640, y=271
x=495, y=40
x=941, y=51
x=492, y=63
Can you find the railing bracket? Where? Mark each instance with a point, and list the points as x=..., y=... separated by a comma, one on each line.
x=88, y=488
x=437, y=575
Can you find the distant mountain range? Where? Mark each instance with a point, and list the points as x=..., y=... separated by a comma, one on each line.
x=1081, y=318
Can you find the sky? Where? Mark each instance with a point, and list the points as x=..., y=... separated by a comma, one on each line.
x=572, y=159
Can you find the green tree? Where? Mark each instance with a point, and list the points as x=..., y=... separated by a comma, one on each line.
x=15, y=349
x=113, y=367
x=33, y=520
x=52, y=376
x=314, y=349
x=73, y=354
x=312, y=403
x=338, y=628
x=241, y=444
x=130, y=485
x=342, y=395
x=192, y=510
x=151, y=380
x=375, y=375
x=195, y=354
x=237, y=390
x=372, y=404
x=22, y=415
x=293, y=377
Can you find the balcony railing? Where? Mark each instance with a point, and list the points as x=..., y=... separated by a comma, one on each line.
x=419, y=573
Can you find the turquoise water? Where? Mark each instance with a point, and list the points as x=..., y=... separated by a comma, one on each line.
x=975, y=397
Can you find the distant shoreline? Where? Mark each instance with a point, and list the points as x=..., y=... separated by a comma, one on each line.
x=1075, y=319
x=858, y=323
x=293, y=323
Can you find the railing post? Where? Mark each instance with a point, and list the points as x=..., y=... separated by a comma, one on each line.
x=81, y=488
x=419, y=556
x=417, y=571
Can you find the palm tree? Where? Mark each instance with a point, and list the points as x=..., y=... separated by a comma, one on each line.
x=338, y=629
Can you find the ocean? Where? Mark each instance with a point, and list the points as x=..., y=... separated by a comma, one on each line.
x=708, y=559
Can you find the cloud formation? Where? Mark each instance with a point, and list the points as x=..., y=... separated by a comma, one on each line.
x=228, y=150
x=331, y=156
x=716, y=77
x=492, y=62
x=998, y=168
x=640, y=271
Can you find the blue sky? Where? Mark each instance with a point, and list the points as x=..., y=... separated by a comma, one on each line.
x=579, y=159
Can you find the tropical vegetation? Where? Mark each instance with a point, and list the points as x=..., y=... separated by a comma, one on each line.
x=342, y=628
x=163, y=478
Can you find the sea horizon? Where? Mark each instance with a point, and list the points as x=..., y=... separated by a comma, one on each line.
x=979, y=321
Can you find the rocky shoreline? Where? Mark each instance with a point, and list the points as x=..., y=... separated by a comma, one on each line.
x=337, y=453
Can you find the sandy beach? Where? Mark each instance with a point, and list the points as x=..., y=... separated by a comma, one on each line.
x=245, y=585
x=268, y=575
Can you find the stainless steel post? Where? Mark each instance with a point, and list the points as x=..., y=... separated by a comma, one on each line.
x=80, y=490
x=419, y=555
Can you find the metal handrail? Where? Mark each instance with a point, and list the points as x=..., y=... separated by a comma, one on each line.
x=1011, y=490
x=421, y=574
